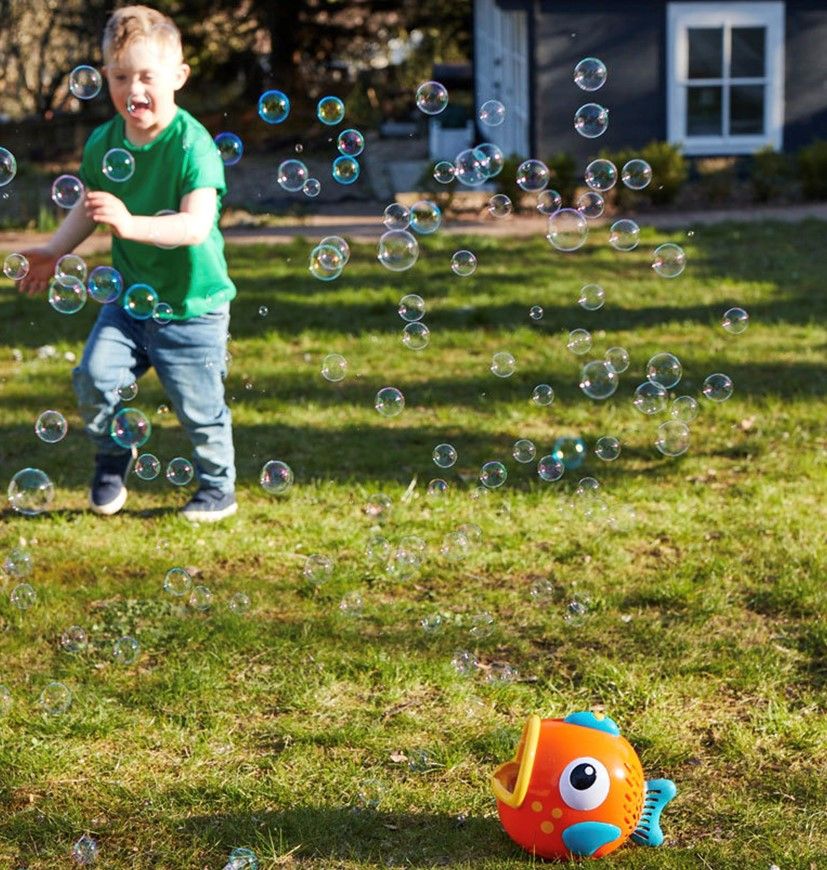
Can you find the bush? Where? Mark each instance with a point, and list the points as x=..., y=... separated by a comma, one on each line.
x=770, y=175
x=564, y=180
x=506, y=181
x=812, y=170
x=669, y=173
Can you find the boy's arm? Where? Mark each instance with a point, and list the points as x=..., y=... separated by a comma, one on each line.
x=189, y=226
x=74, y=229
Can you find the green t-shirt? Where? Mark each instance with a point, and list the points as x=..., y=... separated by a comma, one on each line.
x=192, y=279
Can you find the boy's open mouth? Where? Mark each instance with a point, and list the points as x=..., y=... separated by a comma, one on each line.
x=138, y=105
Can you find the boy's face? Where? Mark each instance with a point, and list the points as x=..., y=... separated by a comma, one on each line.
x=142, y=81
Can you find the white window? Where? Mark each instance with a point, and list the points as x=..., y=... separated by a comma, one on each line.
x=725, y=74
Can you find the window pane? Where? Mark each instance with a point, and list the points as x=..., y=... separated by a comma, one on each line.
x=703, y=111
x=706, y=52
x=746, y=110
x=747, y=52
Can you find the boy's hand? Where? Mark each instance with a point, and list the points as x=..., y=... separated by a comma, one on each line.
x=42, y=263
x=104, y=208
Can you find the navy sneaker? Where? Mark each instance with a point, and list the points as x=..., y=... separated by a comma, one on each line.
x=108, y=493
x=209, y=505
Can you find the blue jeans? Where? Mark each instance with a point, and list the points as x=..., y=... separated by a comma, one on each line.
x=188, y=357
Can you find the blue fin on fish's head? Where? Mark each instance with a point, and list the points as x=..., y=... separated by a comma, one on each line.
x=588, y=720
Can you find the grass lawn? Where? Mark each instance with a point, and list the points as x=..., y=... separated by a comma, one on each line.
x=328, y=737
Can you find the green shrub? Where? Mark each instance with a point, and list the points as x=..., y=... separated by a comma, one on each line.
x=506, y=181
x=564, y=180
x=716, y=178
x=812, y=170
x=770, y=175
x=669, y=173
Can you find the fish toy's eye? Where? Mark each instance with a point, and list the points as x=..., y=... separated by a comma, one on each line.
x=584, y=783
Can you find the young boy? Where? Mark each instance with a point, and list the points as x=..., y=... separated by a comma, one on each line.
x=164, y=222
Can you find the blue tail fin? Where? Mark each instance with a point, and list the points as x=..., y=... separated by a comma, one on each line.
x=658, y=794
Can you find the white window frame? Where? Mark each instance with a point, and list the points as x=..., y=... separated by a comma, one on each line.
x=683, y=16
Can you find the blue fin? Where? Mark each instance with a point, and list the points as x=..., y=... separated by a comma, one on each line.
x=588, y=720
x=658, y=794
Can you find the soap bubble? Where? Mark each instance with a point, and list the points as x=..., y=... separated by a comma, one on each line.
x=500, y=206
x=397, y=216
x=18, y=563
x=352, y=604
x=23, y=596
x=312, y=187
x=492, y=113
x=334, y=367
x=51, y=427
x=242, y=859
x=592, y=297
x=147, y=466
x=550, y=468
x=74, y=639
x=326, y=263
x=126, y=650
x=389, y=402
x=426, y=217
x=664, y=369
x=128, y=391
x=493, y=475
x=330, y=111
x=494, y=159
x=618, y=358
x=607, y=448
x=370, y=795
x=292, y=175
x=524, y=450
x=263, y=311
x=416, y=336
x=230, y=148
x=444, y=455
x=177, y=582
x=471, y=531
x=503, y=364
x=8, y=166
x=444, y=172
x=130, y=428
x=55, y=699
x=570, y=450
x=30, y=492
x=431, y=98
x=463, y=263
x=599, y=379
x=71, y=266
x=118, y=165
x=591, y=120
x=579, y=341
x=673, y=438
x=378, y=506
x=650, y=398
x=464, y=662
x=377, y=549
x=601, y=175
x=470, y=167
x=276, y=477
x=67, y=295
x=576, y=612
x=590, y=74
x=140, y=301
x=15, y=267
x=179, y=471
x=398, y=250
x=669, y=260
x=735, y=320
x=482, y=625
x=105, y=284
x=548, y=201
x=239, y=603
x=411, y=307
x=339, y=243
x=543, y=394
x=590, y=204
x=273, y=107
x=567, y=230
x=67, y=191
x=532, y=176
x=85, y=82
x=200, y=598
x=162, y=313
x=624, y=235
x=350, y=142
x=345, y=170
x=318, y=569
x=717, y=387
x=587, y=487
x=685, y=409
x=437, y=487
x=542, y=591
x=536, y=312
x=636, y=174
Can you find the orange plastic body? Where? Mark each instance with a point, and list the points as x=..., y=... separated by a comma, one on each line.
x=542, y=816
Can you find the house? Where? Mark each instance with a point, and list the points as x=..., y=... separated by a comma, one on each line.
x=722, y=78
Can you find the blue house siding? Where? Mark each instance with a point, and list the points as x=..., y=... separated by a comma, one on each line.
x=805, y=79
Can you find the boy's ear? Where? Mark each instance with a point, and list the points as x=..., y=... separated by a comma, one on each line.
x=181, y=75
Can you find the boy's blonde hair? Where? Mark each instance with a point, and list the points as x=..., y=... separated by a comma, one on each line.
x=132, y=24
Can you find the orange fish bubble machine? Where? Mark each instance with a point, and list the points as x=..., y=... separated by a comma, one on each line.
x=575, y=788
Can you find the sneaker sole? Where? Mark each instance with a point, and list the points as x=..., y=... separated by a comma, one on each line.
x=112, y=507
x=210, y=516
